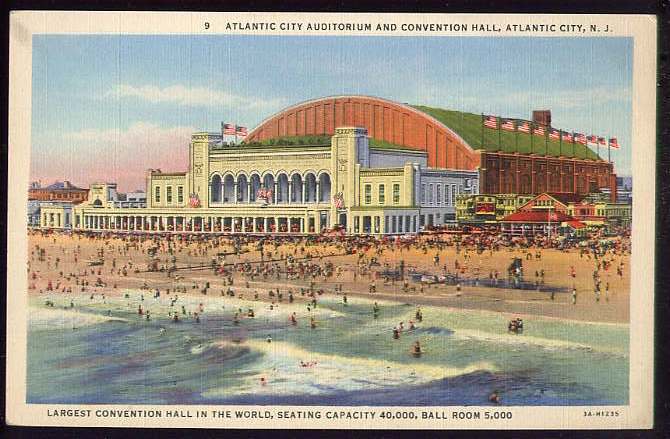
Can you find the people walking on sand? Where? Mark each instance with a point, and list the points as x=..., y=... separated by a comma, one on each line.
x=574, y=296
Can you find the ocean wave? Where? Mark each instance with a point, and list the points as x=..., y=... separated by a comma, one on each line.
x=43, y=318
x=286, y=369
x=520, y=339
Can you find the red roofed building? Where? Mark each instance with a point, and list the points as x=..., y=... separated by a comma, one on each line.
x=535, y=222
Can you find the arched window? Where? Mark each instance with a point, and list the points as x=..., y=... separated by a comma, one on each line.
x=215, y=186
x=228, y=189
x=282, y=188
x=324, y=187
x=296, y=183
x=269, y=185
x=255, y=186
x=242, y=188
x=310, y=188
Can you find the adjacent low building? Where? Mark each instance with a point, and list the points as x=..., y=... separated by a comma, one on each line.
x=58, y=191
x=540, y=222
x=487, y=209
x=56, y=215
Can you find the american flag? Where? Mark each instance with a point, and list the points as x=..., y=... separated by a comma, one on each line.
x=593, y=139
x=580, y=138
x=539, y=131
x=508, y=125
x=567, y=137
x=614, y=143
x=554, y=134
x=338, y=200
x=264, y=194
x=491, y=122
x=241, y=131
x=524, y=127
x=601, y=141
x=193, y=200
x=228, y=128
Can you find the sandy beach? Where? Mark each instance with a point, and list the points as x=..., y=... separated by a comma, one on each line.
x=65, y=263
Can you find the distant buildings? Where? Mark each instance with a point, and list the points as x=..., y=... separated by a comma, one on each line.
x=58, y=191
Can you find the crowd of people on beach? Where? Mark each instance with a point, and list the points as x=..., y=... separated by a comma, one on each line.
x=69, y=269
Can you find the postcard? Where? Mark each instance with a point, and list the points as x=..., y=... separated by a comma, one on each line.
x=367, y=221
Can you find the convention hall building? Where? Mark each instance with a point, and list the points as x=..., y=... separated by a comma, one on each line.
x=354, y=163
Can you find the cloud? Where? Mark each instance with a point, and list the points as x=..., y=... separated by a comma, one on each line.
x=191, y=96
x=114, y=155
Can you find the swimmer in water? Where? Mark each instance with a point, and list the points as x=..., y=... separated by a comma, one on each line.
x=494, y=397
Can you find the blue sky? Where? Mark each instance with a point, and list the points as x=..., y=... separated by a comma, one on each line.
x=108, y=107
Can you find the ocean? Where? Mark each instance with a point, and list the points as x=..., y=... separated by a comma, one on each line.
x=104, y=352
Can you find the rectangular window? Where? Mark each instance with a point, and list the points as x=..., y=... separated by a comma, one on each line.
x=423, y=193
x=168, y=194
x=400, y=228
x=430, y=194
x=453, y=195
x=382, y=195
x=368, y=193
x=180, y=194
x=396, y=193
x=157, y=197
x=438, y=195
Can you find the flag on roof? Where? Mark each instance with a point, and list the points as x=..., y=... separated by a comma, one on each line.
x=524, y=127
x=554, y=134
x=539, y=131
x=491, y=122
x=601, y=141
x=614, y=143
x=567, y=137
x=241, y=131
x=593, y=138
x=580, y=138
x=228, y=128
x=508, y=125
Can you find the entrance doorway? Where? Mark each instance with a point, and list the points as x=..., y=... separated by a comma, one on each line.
x=343, y=220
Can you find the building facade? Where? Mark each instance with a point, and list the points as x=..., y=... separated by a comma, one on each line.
x=289, y=188
x=452, y=140
x=58, y=191
x=56, y=215
x=485, y=209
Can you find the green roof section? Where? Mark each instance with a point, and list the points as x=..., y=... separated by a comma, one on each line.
x=469, y=127
x=314, y=140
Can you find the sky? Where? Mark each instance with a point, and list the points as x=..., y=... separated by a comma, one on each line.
x=107, y=108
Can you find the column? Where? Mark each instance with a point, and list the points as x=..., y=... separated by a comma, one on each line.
x=236, y=189
x=290, y=191
x=244, y=224
x=302, y=225
x=265, y=225
x=274, y=194
x=276, y=224
x=318, y=191
x=249, y=191
x=302, y=194
x=255, y=222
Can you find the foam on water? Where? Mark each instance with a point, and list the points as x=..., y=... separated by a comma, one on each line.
x=53, y=318
x=281, y=370
x=519, y=339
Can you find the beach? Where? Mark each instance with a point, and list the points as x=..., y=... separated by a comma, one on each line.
x=320, y=329
x=612, y=307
